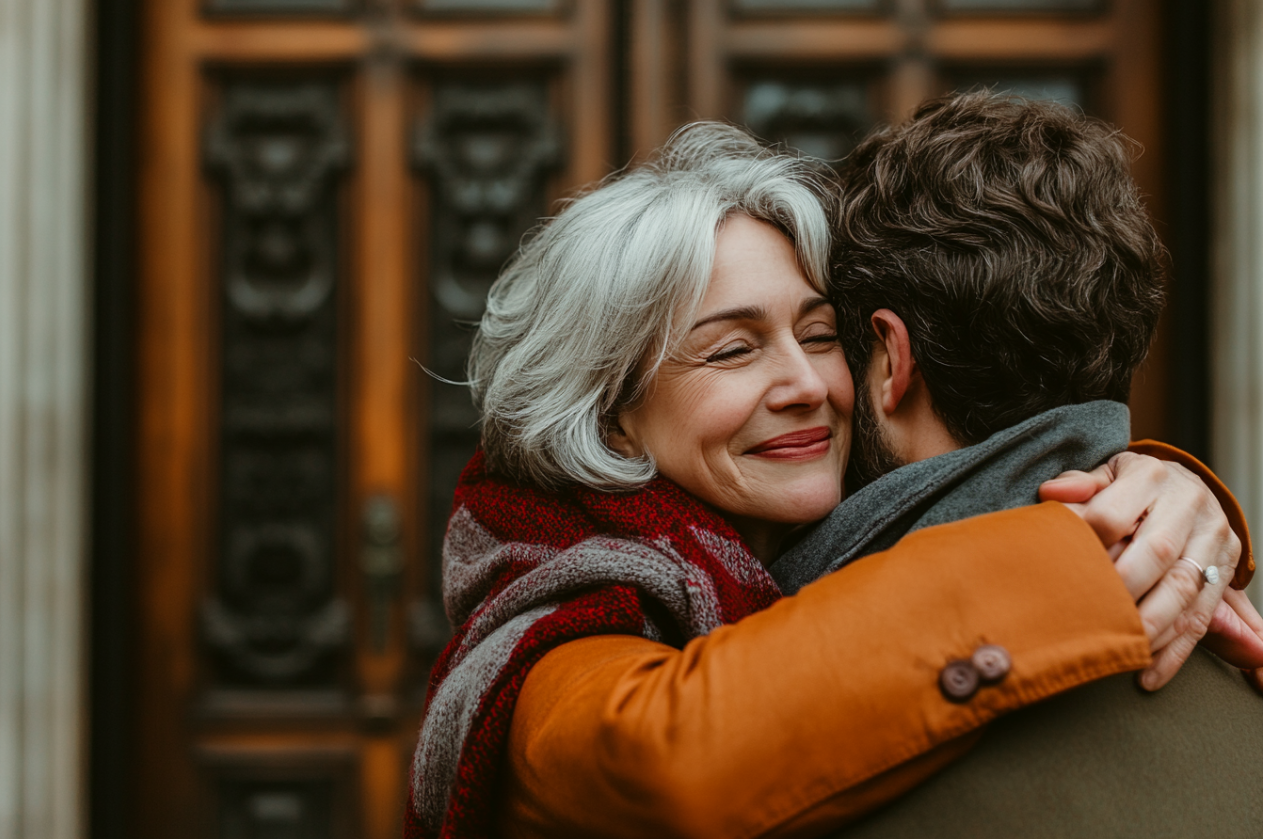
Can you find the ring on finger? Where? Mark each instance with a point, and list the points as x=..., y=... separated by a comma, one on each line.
x=1210, y=573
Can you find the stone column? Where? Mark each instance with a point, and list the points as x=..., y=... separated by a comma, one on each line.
x=44, y=324
x=1236, y=326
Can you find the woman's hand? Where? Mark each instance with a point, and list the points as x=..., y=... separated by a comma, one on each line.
x=1236, y=635
x=1149, y=513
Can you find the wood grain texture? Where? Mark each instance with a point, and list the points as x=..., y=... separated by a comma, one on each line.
x=173, y=480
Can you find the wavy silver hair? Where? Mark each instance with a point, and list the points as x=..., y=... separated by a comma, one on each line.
x=580, y=320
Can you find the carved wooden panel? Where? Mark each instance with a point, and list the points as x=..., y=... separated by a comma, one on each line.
x=274, y=618
x=282, y=7
x=821, y=118
x=486, y=151
x=288, y=795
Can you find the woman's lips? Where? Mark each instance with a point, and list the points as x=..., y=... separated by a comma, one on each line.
x=797, y=445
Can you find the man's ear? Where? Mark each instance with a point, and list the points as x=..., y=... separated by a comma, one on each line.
x=900, y=367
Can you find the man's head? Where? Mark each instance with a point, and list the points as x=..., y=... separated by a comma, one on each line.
x=994, y=261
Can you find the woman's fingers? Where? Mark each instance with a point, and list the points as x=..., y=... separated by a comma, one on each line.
x=1236, y=635
x=1236, y=632
x=1180, y=604
x=1116, y=511
x=1175, y=632
x=1244, y=609
x=1182, y=518
x=1176, y=643
x=1166, y=663
x=1075, y=487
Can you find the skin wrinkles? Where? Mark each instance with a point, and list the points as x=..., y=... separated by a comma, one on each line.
x=761, y=361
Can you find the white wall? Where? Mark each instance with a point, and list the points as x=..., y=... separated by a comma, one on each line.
x=43, y=415
x=1237, y=292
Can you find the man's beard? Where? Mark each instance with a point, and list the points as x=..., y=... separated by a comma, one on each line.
x=871, y=453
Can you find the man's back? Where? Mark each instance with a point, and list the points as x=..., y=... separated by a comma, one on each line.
x=1105, y=760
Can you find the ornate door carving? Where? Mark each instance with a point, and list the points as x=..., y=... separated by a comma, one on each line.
x=328, y=187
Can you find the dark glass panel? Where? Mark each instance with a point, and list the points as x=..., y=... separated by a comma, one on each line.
x=490, y=6
x=281, y=7
x=822, y=119
x=1020, y=5
x=808, y=5
x=1066, y=88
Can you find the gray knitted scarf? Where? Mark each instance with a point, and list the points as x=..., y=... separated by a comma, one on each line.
x=1001, y=472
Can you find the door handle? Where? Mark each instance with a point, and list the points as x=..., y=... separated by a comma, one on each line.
x=381, y=561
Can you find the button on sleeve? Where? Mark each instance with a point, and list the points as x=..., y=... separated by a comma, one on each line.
x=959, y=681
x=992, y=663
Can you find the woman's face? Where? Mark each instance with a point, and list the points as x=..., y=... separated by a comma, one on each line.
x=752, y=413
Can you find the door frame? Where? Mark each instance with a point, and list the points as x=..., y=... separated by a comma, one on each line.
x=112, y=585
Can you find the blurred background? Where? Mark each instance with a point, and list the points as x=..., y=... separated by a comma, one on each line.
x=233, y=231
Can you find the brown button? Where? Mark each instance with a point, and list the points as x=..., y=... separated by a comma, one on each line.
x=992, y=663
x=958, y=681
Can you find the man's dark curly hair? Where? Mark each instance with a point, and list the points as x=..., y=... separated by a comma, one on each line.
x=1011, y=239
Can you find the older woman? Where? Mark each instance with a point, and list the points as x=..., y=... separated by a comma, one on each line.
x=664, y=402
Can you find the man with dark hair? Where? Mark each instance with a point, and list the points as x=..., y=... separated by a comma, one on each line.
x=997, y=283
x=1012, y=243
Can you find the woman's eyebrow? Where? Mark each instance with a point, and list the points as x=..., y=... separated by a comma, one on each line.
x=738, y=313
x=811, y=304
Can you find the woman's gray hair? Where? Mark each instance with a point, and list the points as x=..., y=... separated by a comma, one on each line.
x=580, y=320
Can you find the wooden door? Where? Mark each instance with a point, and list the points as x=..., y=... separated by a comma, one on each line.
x=327, y=188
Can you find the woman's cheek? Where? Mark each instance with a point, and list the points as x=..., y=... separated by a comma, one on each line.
x=717, y=406
x=841, y=387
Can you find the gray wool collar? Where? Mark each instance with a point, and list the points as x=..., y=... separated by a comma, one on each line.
x=1001, y=472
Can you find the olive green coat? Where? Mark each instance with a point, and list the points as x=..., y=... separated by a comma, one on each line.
x=1104, y=760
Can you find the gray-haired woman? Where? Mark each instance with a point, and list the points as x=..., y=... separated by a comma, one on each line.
x=663, y=402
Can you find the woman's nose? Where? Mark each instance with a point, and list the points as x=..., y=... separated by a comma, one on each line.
x=798, y=383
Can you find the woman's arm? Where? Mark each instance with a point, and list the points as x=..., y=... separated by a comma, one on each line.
x=814, y=707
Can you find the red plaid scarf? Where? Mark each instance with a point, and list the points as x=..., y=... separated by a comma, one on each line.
x=526, y=570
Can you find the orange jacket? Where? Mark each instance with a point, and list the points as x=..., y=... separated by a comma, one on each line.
x=828, y=704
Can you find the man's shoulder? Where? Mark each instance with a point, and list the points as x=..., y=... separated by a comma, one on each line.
x=1104, y=760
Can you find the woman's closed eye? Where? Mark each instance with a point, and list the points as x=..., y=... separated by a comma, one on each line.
x=822, y=336
x=729, y=352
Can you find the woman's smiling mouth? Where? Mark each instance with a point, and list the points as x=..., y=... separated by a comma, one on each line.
x=797, y=445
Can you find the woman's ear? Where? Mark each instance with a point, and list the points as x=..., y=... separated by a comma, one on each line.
x=617, y=438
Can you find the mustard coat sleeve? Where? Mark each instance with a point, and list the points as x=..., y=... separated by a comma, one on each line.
x=824, y=706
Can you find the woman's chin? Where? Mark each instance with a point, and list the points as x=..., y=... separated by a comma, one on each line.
x=803, y=504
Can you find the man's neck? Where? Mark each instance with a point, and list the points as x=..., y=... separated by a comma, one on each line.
x=916, y=432
x=926, y=440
